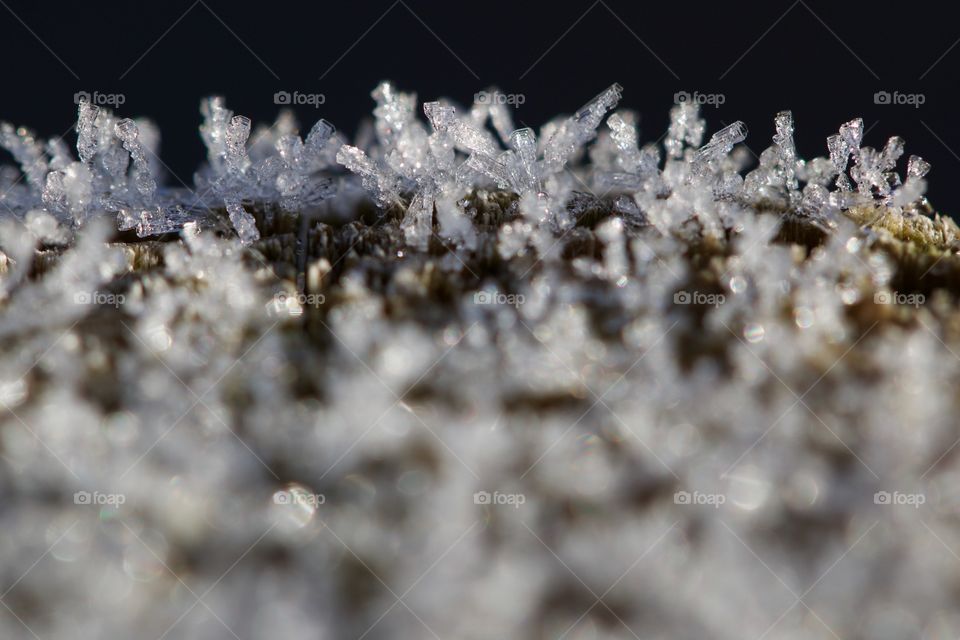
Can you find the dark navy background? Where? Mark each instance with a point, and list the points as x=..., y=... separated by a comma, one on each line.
x=824, y=60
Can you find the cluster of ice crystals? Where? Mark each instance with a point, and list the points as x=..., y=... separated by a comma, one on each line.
x=460, y=154
x=560, y=363
x=412, y=166
x=298, y=170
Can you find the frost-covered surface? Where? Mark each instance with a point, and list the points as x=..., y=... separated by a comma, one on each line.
x=553, y=384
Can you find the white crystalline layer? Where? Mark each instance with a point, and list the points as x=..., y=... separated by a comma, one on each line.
x=488, y=381
x=402, y=158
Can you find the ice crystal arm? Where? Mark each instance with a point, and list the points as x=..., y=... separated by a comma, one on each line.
x=623, y=131
x=320, y=134
x=489, y=104
x=236, y=135
x=236, y=160
x=213, y=131
x=852, y=134
x=524, y=143
x=417, y=224
x=374, y=179
x=719, y=146
x=394, y=111
x=469, y=138
x=87, y=134
x=839, y=155
x=128, y=133
x=27, y=151
x=686, y=128
x=891, y=153
x=59, y=153
x=243, y=222
x=786, y=149
x=579, y=129
x=914, y=186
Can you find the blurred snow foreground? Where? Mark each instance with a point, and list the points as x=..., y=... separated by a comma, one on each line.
x=462, y=380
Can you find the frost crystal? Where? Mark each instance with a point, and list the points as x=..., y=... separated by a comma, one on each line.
x=127, y=131
x=839, y=155
x=720, y=145
x=87, y=135
x=579, y=129
x=686, y=128
x=917, y=167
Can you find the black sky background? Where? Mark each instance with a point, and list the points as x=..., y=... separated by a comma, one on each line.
x=823, y=60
